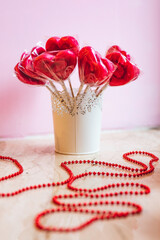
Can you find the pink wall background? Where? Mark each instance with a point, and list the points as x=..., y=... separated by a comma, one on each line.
x=133, y=25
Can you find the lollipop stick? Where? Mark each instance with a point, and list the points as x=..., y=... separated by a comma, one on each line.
x=55, y=89
x=85, y=90
x=106, y=80
x=72, y=92
x=79, y=90
x=50, y=90
x=51, y=82
x=83, y=95
x=57, y=79
x=61, y=99
x=70, y=85
x=66, y=92
x=55, y=95
x=97, y=88
x=102, y=89
x=63, y=86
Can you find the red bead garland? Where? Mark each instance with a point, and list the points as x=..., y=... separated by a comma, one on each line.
x=90, y=193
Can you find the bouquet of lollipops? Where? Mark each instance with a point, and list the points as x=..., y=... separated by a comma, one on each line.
x=52, y=65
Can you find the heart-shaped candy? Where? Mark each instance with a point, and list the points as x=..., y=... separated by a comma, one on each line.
x=25, y=78
x=26, y=66
x=36, y=51
x=58, y=66
x=25, y=70
x=125, y=70
x=93, y=70
x=116, y=48
x=64, y=43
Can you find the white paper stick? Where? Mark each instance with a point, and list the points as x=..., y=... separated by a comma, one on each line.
x=83, y=95
x=79, y=90
x=61, y=82
x=97, y=88
x=66, y=92
x=102, y=89
x=60, y=99
x=70, y=85
x=57, y=92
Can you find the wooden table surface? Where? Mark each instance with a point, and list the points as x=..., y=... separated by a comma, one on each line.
x=41, y=165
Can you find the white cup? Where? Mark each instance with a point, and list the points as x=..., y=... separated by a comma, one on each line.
x=78, y=133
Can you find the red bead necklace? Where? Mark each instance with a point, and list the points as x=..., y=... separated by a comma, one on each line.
x=92, y=194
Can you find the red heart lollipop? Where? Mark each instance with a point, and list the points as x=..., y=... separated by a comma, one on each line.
x=116, y=48
x=25, y=78
x=26, y=62
x=111, y=68
x=58, y=66
x=25, y=70
x=52, y=44
x=36, y=51
x=26, y=66
x=64, y=64
x=24, y=55
x=92, y=68
x=43, y=64
x=125, y=70
x=64, y=43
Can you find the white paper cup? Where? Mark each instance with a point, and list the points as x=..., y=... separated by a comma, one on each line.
x=78, y=133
